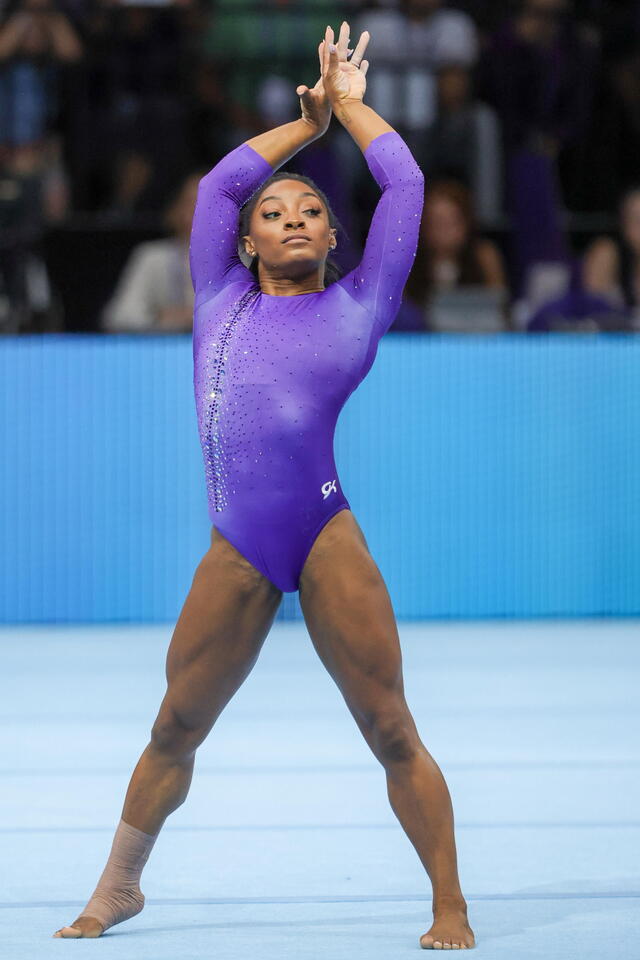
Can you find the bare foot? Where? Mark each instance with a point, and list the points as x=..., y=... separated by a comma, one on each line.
x=450, y=929
x=82, y=927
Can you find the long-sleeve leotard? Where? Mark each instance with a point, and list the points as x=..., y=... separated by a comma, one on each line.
x=272, y=373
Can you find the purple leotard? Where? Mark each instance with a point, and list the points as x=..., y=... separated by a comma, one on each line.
x=272, y=373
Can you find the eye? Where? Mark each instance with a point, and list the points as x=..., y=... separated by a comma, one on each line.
x=316, y=211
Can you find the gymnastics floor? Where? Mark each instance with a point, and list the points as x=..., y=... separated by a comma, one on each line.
x=286, y=845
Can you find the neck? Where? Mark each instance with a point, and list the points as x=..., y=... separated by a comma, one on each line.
x=288, y=287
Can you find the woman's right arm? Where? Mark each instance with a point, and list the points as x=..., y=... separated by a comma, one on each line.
x=213, y=250
x=213, y=247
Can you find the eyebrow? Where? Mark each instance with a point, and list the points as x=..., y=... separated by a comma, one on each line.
x=305, y=194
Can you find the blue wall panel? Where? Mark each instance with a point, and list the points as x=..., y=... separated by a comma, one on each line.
x=492, y=476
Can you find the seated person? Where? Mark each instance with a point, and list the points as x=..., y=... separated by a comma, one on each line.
x=450, y=254
x=611, y=265
x=154, y=292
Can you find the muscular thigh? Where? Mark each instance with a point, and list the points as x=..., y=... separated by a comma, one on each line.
x=221, y=628
x=350, y=619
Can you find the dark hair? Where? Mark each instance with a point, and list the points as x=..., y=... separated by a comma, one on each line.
x=332, y=271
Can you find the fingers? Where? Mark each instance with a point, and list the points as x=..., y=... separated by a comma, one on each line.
x=358, y=53
x=364, y=66
x=326, y=53
x=343, y=41
x=332, y=59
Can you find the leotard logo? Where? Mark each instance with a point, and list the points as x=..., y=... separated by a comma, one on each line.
x=328, y=487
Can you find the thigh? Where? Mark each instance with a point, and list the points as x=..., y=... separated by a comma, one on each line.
x=350, y=619
x=224, y=621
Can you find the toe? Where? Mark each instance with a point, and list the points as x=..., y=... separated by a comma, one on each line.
x=426, y=941
x=68, y=932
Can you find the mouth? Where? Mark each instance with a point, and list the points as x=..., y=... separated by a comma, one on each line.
x=300, y=236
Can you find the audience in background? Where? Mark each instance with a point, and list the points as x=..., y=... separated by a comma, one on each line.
x=450, y=256
x=464, y=142
x=154, y=293
x=538, y=73
x=611, y=266
x=408, y=44
x=36, y=41
x=106, y=105
x=131, y=133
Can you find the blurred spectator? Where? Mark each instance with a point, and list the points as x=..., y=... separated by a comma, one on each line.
x=407, y=45
x=611, y=266
x=130, y=141
x=538, y=73
x=451, y=256
x=33, y=195
x=463, y=143
x=155, y=292
x=279, y=35
x=217, y=122
x=578, y=312
x=36, y=39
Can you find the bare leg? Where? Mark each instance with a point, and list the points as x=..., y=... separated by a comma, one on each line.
x=222, y=626
x=350, y=619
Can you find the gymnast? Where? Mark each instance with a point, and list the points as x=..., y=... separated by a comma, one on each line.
x=278, y=347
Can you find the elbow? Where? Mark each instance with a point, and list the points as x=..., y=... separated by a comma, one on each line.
x=412, y=178
x=417, y=177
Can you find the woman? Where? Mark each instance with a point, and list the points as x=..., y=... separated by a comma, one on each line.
x=612, y=265
x=450, y=254
x=274, y=363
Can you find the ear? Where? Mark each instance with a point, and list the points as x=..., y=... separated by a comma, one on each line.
x=248, y=246
x=333, y=243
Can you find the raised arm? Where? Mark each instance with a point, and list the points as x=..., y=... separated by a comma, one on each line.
x=213, y=250
x=379, y=279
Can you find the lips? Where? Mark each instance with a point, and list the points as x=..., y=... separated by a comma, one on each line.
x=298, y=236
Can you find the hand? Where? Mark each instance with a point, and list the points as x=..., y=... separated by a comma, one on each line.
x=314, y=103
x=344, y=80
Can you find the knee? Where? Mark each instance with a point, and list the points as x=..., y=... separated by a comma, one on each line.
x=172, y=736
x=394, y=738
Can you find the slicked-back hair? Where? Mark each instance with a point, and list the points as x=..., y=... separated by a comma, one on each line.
x=332, y=271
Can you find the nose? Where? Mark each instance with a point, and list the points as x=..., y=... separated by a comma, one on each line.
x=294, y=224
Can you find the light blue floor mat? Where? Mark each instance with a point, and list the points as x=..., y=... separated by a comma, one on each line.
x=286, y=845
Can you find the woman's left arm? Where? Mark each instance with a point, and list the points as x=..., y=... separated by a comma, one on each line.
x=379, y=279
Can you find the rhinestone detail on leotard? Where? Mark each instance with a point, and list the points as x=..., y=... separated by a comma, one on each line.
x=213, y=442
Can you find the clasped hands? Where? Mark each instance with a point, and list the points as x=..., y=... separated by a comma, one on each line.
x=342, y=78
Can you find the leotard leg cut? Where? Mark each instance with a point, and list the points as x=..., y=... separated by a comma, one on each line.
x=271, y=374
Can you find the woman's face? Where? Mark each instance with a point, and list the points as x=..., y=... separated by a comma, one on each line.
x=289, y=229
x=631, y=221
x=444, y=230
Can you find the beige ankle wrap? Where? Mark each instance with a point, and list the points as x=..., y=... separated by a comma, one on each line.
x=118, y=896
